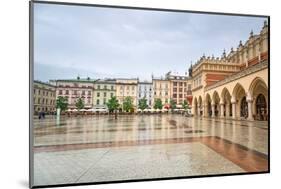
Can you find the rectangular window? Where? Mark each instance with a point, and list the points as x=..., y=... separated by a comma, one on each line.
x=189, y=87
x=111, y=95
x=104, y=94
x=98, y=101
x=112, y=88
x=98, y=94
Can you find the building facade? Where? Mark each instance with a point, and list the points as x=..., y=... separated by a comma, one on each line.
x=127, y=88
x=162, y=90
x=44, y=97
x=235, y=85
x=180, y=88
x=145, y=90
x=103, y=90
x=73, y=89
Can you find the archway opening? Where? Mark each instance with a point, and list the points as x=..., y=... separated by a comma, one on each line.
x=261, y=108
x=239, y=95
x=226, y=99
x=244, y=108
x=259, y=91
x=216, y=101
x=200, y=111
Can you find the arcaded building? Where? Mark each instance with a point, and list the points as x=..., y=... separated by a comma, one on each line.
x=235, y=85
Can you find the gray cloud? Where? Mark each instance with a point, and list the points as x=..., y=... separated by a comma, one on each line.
x=97, y=42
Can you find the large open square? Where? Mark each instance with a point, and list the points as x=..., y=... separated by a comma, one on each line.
x=139, y=94
x=100, y=148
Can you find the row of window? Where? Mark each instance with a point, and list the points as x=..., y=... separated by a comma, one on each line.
x=179, y=95
x=104, y=94
x=127, y=87
x=44, y=101
x=74, y=92
x=160, y=86
x=179, y=84
x=140, y=96
x=105, y=87
x=76, y=85
x=43, y=92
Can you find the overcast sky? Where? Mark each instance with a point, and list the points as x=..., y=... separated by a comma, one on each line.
x=105, y=42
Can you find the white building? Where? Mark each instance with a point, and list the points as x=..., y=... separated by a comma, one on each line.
x=145, y=90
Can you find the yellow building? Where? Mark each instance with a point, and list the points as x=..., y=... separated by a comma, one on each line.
x=44, y=97
x=162, y=90
x=235, y=85
x=127, y=88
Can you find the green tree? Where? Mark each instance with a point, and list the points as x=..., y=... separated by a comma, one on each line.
x=113, y=105
x=173, y=104
x=79, y=104
x=143, y=104
x=62, y=103
x=158, y=104
x=128, y=104
x=185, y=105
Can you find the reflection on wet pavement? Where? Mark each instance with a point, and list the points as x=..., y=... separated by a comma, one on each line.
x=100, y=148
x=104, y=129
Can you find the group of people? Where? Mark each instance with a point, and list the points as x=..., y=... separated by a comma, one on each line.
x=41, y=115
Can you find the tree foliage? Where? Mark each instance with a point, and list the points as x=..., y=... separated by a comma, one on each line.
x=128, y=104
x=158, y=104
x=79, y=104
x=112, y=104
x=173, y=104
x=185, y=105
x=62, y=103
x=143, y=104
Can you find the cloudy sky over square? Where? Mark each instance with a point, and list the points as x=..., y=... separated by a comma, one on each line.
x=100, y=42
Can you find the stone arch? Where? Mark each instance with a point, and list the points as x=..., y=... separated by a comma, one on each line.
x=226, y=102
x=195, y=106
x=200, y=106
x=208, y=105
x=215, y=104
x=258, y=91
x=239, y=96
